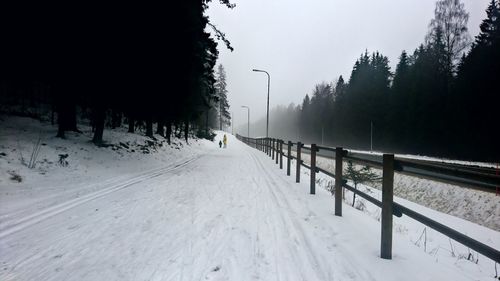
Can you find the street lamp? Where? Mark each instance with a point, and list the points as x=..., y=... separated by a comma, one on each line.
x=268, y=83
x=248, y=122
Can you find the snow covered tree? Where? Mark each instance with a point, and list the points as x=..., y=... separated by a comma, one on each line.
x=221, y=94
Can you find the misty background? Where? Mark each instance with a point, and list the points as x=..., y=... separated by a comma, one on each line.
x=403, y=77
x=303, y=43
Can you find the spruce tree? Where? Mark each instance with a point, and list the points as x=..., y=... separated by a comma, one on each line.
x=221, y=93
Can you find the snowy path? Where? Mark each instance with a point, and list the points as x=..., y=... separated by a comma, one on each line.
x=226, y=215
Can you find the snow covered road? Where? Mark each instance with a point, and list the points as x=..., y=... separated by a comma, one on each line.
x=228, y=214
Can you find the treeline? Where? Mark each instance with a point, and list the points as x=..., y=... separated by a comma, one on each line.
x=153, y=64
x=440, y=100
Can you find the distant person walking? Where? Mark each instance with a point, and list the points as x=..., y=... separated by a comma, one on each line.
x=224, y=140
x=220, y=144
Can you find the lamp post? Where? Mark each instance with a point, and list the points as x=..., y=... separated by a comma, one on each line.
x=268, y=83
x=248, y=122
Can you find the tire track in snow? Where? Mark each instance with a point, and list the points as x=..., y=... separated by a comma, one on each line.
x=17, y=224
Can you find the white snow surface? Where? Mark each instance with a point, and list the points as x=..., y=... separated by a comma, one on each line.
x=474, y=205
x=196, y=213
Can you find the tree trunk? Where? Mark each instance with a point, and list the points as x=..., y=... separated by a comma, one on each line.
x=131, y=124
x=149, y=127
x=206, y=123
x=169, y=132
x=60, y=129
x=71, y=123
x=98, y=120
x=66, y=116
x=186, y=131
x=116, y=119
x=53, y=110
x=159, y=129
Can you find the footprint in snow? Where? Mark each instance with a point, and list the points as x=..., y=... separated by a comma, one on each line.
x=211, y=275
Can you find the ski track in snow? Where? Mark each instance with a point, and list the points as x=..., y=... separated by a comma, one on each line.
x=13, y=222
x=230, y=214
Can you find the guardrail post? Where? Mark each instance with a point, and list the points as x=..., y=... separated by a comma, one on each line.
x=289, y=158
x=281, y=154
x=313, y=168
x=273, y=149
x=268, y=146
x=387, y=198
x=277, y=150
x=339, y=154
x=297, y=173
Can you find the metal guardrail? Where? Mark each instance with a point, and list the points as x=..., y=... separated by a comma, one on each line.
x=470, y=177
x=389, y=208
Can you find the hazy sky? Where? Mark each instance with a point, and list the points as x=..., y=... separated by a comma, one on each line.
x=305, y=42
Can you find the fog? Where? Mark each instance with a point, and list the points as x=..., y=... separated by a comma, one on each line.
x=302, y=43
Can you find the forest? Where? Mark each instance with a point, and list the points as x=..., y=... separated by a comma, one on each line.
x=131, y=64
x=442, y=99
x=144, y=66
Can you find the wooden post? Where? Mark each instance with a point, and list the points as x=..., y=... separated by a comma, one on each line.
x=339, y=153
x=269, y=147
x=313, y=168
x=281, y=154
x=277, y=150
x=387, y=198
x=273, y=149
x=289, y=158
x=297, y=174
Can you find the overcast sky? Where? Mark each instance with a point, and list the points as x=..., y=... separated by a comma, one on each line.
x=305, y=42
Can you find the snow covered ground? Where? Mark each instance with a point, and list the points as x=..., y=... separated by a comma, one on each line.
x=196, y=213
x=476, y=206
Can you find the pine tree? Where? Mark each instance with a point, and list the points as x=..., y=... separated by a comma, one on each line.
x=221, y=93
x=399, y=102
x=476, y=93
x=490, y=27
x=359, y=176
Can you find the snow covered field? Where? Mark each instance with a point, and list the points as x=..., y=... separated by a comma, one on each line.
x=196, y=213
